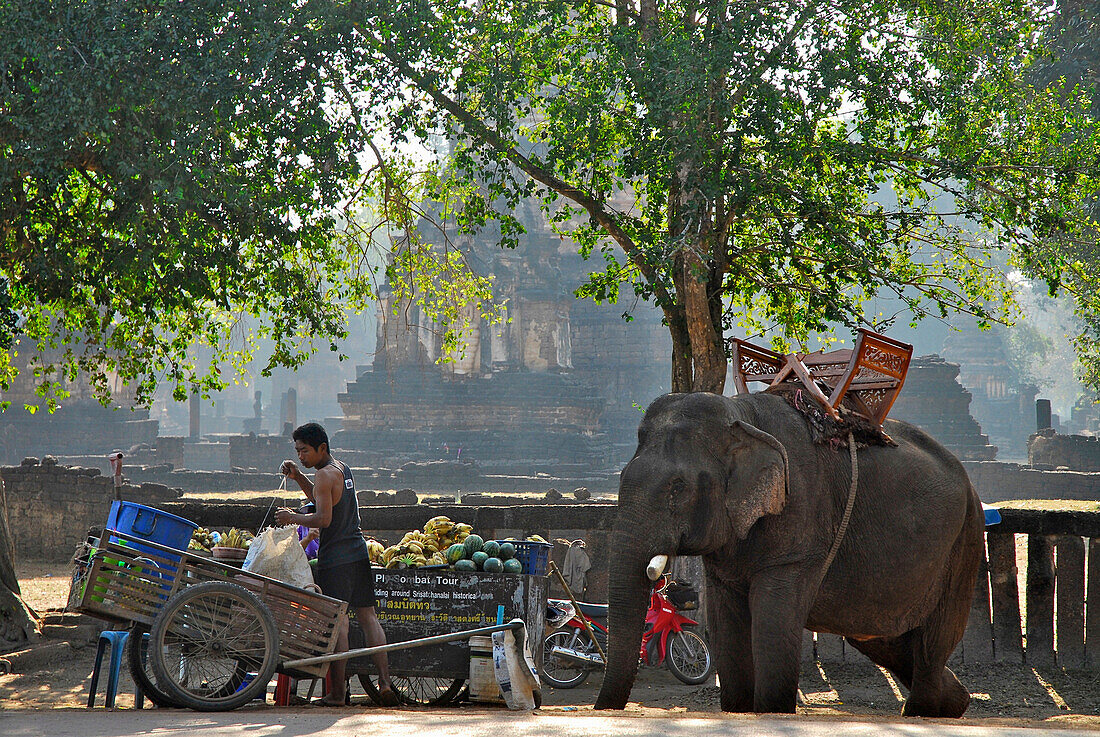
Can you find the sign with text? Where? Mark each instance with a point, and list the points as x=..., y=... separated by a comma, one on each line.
x=413, y=603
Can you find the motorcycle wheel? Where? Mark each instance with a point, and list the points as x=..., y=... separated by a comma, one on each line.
x=688, y=657
x=556, y=671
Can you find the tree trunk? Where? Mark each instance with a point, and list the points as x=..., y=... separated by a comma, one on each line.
x=7, y=547
x=708, y=355
x=18, y=625
x=682, y=374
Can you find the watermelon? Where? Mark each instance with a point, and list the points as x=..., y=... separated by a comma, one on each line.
x=456, y=553
x=479, y=559
x=492, y=565
x=512, y=565
x=507, y=551
x=491, y=548
x=466, y=566
x=473, y=544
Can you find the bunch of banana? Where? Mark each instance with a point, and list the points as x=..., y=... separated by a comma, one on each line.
x=422, y=548
x=201, y=539
x=537, y=539
x=236, y=539
x=403, y=556
x=438, y=526
x=456, y=534
x=375, y=550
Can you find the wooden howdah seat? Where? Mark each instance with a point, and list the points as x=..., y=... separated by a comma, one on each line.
x=871, y=374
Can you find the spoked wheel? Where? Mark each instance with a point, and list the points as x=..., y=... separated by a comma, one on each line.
x=688, y=657
x=417, y=690
x=557, y=670
x=142, y=671
x=207, y=641
x=425, y=691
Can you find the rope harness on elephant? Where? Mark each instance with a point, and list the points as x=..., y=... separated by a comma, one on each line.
x=847, y=509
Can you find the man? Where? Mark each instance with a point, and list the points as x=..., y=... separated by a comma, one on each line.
x=343, y=569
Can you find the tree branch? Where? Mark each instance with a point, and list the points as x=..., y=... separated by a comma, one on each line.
x=483, y=132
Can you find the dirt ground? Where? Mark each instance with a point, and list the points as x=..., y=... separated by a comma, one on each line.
x=1003, y=694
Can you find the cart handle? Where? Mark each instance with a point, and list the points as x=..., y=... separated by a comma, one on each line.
x=515, y=624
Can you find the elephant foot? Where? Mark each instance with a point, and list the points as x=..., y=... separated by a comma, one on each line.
x=952, y=701
x=954, y=697
x=736, y=703
x=607, y=703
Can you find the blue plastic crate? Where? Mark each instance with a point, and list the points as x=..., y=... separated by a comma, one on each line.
x=534, y=556
x=149, y=523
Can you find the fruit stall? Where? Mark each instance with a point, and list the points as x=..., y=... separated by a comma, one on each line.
x=443, y=579
x=215, y=634
x=182, y=588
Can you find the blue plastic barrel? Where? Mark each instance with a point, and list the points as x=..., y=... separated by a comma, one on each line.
x=149, y=523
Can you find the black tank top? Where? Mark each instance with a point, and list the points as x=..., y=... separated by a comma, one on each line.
x=342, y=541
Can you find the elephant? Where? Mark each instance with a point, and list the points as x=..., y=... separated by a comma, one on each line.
x=740, y=482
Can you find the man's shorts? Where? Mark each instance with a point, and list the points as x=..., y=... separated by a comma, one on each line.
x=352, y=582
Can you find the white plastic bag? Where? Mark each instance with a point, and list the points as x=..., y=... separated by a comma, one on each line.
x=515, y=670
x=276, y=553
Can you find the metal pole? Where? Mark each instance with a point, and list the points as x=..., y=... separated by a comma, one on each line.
x=515, y=624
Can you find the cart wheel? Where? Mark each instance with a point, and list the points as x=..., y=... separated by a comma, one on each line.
x=427, y=691
x=141, y=670
x=206, y=642
x=417, y=690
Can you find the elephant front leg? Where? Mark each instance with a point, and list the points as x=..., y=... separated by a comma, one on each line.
x=730, y=628
x=778, y=612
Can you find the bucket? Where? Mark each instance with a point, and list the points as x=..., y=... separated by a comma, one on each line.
x=483, y=680
x=150, y=524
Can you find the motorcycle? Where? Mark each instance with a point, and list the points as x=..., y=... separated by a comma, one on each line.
x=569, y=653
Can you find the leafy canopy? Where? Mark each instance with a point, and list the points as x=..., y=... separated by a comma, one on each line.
x=758, y=163
x=168, y=169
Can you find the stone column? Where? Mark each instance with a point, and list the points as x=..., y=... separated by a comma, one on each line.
x=194, y=407
x=1042, y=414
x=467, y=359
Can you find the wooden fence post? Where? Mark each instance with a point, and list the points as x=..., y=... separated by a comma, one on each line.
x=977, y=641
x=1070, y=587
x=807, y=647
x=830, y=648
x=1040, y=600
x=1008, y=643
x=1092, y=604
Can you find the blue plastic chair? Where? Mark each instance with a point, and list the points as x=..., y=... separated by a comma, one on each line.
x=116, y=640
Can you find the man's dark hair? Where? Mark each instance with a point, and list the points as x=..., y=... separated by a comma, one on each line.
x=312, y=435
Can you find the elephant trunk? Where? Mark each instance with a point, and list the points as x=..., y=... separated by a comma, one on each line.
x=628, y=600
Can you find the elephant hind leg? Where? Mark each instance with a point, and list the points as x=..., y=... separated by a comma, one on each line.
x=934, y=691
x=895, y=654
x=954, y=697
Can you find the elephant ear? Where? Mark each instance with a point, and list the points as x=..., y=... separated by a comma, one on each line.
x=757, y=480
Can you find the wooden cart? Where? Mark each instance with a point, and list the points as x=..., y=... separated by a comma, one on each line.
x=215, y=634
x=418, y=603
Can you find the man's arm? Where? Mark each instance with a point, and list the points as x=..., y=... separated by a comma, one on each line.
x=290, y=470
x=327, y=484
